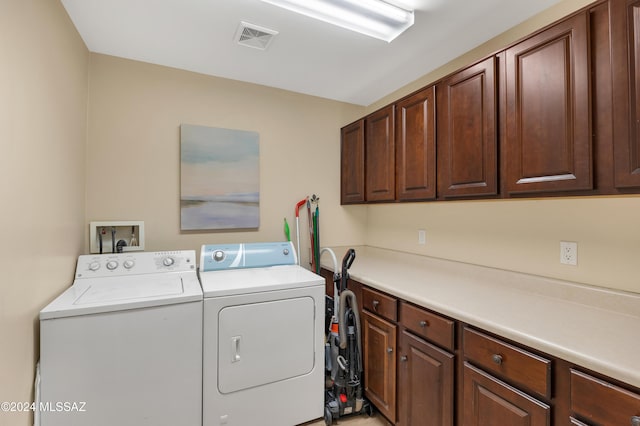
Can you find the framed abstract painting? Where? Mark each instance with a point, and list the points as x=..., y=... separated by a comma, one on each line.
x=219, y=178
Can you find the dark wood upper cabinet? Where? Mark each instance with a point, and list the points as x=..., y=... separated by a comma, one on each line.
x=556, y=114
x=626, y=86
x=352, y=163
x=380, y=155
x=416, y=146
x=467, y=133
x=546, y=146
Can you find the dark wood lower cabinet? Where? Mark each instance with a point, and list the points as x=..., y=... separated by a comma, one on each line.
x=491, y=402
x=576, y=422
x=379, y=347
x=425, y=369
x=520, y=367
x=425, y=383
x=603, y=403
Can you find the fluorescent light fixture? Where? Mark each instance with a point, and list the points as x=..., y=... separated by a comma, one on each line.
x=374, y=18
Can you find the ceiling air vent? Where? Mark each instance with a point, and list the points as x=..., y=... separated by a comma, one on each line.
x=251, y=35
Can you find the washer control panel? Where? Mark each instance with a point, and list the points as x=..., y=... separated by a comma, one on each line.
x=216, y=257
x=122, y=264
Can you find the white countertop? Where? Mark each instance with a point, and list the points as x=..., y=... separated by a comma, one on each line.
x=593, y=327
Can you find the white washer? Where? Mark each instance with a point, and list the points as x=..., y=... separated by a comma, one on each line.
x=263, y=346
x=123, y=345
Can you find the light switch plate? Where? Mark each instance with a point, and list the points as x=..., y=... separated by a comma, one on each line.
x=422, y=237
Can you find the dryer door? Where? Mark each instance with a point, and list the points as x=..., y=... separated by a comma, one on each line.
x=266, y=342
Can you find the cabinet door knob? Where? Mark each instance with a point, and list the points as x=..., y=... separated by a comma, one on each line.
x=497, y=359
x=423, y=323
x=389, y=350
x=403, y=358
x=375, y=305
x=635, y=421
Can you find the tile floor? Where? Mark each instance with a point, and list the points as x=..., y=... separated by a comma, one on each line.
x=362, y=420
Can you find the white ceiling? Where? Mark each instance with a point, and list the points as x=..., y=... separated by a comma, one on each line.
x=307, y=56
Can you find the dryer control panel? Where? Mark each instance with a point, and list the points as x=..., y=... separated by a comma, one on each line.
x=122, y=264
x=216, y=257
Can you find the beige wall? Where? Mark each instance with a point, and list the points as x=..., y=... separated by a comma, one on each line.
x=133, y=163
x=520, y=235
x=43, y=95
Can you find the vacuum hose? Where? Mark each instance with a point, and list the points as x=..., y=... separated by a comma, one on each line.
x=342, y=327
x=336, y=278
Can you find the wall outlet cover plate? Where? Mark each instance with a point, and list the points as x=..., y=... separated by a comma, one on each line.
x=569, y=253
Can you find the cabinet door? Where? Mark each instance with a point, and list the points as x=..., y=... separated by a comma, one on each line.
x=379, y=346
x=627, y=99
x=491, y=402
x=416, y=149
x=547, y=143
x=467, y=136
x=380, y=155
x=352, y=163
x=425, y=383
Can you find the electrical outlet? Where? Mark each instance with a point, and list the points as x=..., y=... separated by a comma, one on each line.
x=569, y=253
x=422, y=237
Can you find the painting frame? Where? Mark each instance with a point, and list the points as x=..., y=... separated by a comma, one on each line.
x=219, y=179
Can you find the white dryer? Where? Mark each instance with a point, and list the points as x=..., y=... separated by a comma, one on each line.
x=123, y=345
x=263, y=345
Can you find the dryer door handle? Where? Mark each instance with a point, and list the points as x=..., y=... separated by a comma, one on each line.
x=235, y=349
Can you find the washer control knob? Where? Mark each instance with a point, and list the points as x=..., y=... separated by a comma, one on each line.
x=285, y=252
x=94, y=266
x=168, y=261
x=218, y=255
x=129, y=263
x=112, y=264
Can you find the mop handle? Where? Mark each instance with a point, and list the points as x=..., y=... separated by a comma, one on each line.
x=300, y=204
